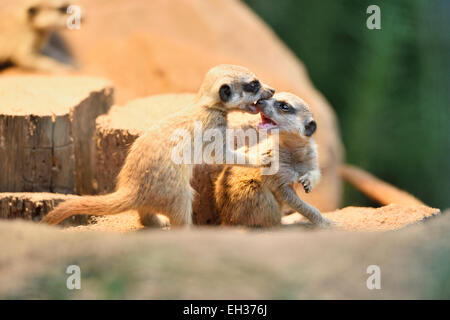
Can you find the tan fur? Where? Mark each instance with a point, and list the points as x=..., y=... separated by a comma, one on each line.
x=245, y=197
x=150, y=182
x=23, y=32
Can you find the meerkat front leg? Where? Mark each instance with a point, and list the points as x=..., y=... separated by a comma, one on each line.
x=264, y=160
x=290, y=197
x=310, y=179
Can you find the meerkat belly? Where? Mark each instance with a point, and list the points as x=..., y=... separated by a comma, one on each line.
x=150, y=170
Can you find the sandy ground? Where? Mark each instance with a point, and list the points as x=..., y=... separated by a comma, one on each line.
x=208, y=263
x=391, y=217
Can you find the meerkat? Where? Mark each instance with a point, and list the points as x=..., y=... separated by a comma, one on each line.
x=25, y=26
x=244, y=196
x=150, y=181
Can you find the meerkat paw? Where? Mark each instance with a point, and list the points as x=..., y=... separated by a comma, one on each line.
x=328, y=224
x=309, y=180
x=306, y=183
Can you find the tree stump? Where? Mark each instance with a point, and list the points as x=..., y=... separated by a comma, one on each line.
x=46, y=129
x=34, y=206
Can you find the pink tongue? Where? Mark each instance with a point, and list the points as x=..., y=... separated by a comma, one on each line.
x=265, y=125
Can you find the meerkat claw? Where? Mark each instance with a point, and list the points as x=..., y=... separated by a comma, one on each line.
x=306, y=184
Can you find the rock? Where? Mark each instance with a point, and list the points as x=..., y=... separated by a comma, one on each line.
x=142, y=59
x=46, y=129
x=34, y=206
x=380, y=191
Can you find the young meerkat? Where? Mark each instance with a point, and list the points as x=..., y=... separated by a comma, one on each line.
x=25, y=27
x=150, y=181
x=245, y=197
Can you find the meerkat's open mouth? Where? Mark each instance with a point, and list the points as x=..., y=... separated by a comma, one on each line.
x=266, y=123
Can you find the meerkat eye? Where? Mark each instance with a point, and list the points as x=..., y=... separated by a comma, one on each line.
x=310, y=128
x=252, y=87
x=63, y=9
x=225, y=92
x=284, y=106
x=32, y=11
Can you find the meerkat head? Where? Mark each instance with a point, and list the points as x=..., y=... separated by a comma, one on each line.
x=47, y=15
x=229, y=88
x=288, y=113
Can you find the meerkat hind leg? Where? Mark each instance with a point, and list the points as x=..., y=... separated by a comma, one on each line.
x=179, y=211
x=182, y=216
x=288, y=194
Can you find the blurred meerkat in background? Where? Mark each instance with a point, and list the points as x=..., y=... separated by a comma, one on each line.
x=245, y=197
x=25, y=27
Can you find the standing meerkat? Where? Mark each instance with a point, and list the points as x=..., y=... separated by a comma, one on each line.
x=25, y=27
x=150, y=181
x=245, y=197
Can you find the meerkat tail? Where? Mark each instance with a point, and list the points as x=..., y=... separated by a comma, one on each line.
x=375, y=188
x=107, y=204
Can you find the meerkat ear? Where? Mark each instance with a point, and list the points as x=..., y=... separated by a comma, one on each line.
x=225, y=92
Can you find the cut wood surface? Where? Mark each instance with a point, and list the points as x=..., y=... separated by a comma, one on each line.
x=46, y=129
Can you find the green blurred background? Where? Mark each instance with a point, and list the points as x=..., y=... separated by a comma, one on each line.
x=389, y=87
